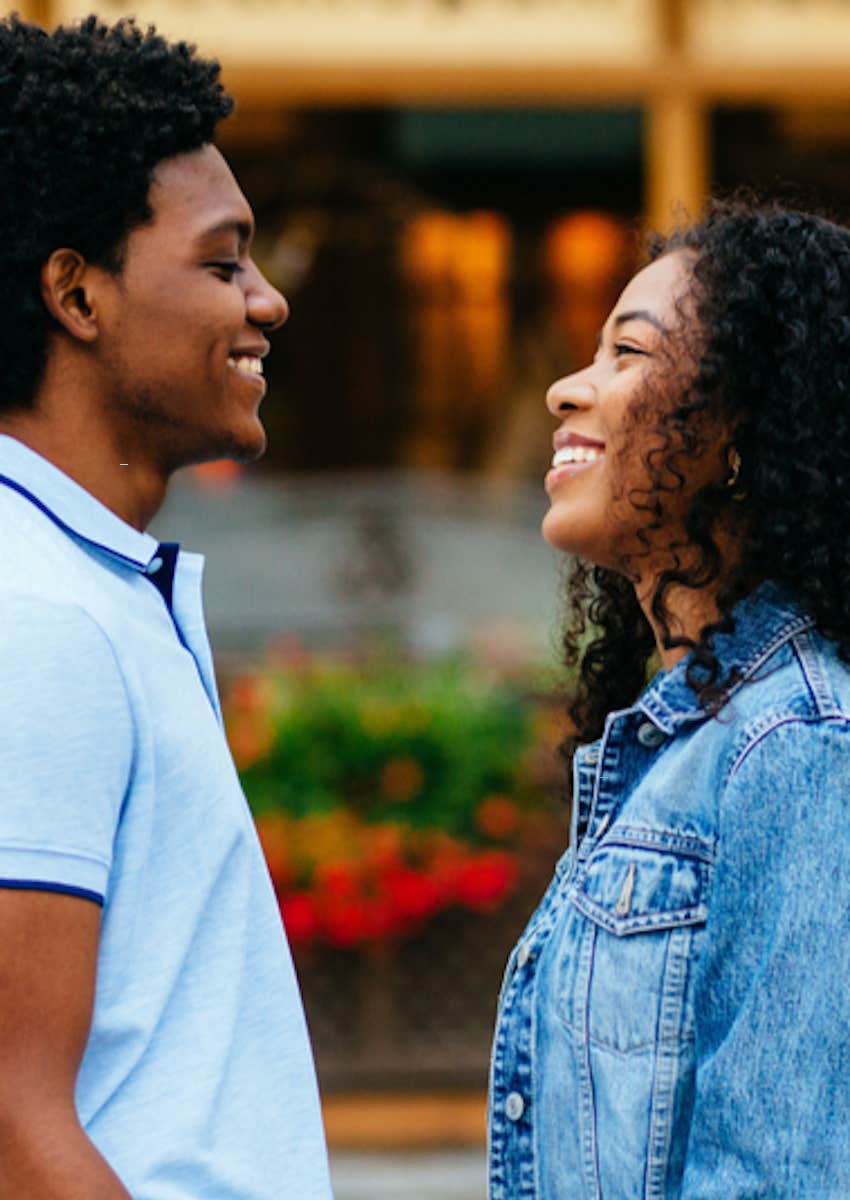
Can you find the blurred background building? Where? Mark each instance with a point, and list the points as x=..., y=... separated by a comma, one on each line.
x=451, y=194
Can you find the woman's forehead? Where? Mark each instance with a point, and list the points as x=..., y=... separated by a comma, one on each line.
x=658, y=288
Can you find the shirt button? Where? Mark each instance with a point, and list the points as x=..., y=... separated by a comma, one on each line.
x=514, y=1106
x=153, y=566
x=650, y=735
x=523, y=954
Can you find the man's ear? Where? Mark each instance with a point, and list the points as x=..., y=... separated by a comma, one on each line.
x=68, y=289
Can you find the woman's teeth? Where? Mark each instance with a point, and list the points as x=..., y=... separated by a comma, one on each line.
x=577, y=454
x=246, y=362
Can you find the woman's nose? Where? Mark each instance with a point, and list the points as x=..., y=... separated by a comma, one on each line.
x=267, y=307
x=573, y=391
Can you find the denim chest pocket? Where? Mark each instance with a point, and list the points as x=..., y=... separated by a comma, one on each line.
x=637, y=914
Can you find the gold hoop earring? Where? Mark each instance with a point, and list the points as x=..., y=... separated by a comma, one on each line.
x=734, y=474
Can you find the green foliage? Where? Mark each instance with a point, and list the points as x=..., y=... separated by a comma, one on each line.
x=418, y=743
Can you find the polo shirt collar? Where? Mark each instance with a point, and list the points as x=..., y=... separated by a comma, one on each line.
x=71, y=507
x=764, y=621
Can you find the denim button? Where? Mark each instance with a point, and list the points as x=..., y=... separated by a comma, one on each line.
x=650, y=735
x=592, y=756
x=514, y=1106
x=523, y=954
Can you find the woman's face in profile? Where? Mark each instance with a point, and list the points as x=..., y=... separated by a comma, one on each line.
x=608, y=414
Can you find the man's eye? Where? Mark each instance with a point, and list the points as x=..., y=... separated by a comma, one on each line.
x=226, y=269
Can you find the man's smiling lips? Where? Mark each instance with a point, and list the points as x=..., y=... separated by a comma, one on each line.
x=574, y=452
x=248, y=363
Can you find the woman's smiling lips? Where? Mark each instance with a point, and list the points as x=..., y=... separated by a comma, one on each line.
x=573, y=453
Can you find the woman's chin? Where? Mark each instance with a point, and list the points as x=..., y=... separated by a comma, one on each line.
x=556, y=530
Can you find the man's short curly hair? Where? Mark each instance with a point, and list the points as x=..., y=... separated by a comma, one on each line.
x=771, y=362
x=86, y=113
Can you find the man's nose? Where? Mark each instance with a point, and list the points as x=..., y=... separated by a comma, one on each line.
x=267, y=307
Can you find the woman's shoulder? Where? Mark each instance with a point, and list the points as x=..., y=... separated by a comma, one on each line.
x=794, y=712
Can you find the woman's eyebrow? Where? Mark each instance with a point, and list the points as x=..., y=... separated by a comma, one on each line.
x=637, y=314
x=640, y=314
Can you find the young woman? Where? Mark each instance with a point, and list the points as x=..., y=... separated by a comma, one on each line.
x=675, y=1021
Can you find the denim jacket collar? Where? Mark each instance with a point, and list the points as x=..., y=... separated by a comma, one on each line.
x=764, y=621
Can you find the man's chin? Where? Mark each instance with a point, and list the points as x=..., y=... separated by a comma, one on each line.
x=240, y=449
x=244, y=454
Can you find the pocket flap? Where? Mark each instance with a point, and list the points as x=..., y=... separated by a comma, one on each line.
x=630, y=888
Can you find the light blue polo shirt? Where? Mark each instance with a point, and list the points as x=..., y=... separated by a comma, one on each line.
x=117, y=786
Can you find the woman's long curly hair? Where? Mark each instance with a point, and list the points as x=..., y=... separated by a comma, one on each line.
x=86, y=114
x=769, y=304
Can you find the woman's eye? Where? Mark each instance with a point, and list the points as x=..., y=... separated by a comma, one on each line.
x=621, y=348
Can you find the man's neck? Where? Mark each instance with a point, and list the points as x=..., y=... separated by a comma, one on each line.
x=119, y=480
x=67, y=425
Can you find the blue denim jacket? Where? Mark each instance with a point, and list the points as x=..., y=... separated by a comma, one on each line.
x=675, y=1021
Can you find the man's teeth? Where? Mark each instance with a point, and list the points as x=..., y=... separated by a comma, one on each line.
x=576, y=454
x=247, y=362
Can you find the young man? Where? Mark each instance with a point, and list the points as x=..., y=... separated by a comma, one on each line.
x=152, y=1042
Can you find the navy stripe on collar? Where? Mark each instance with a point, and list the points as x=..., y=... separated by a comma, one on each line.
x=139, y=564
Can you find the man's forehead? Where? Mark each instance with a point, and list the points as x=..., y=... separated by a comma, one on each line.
x=200, y=191
x=240, y=225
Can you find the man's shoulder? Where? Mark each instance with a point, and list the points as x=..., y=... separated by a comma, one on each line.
x=38, y=627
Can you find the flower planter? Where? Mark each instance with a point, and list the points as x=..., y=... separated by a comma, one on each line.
x=419, y=1013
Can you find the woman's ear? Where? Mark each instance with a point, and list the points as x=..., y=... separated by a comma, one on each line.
x=68, y=291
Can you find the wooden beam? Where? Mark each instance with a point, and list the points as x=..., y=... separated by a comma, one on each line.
x=428, y=83
x=377, y=83
x=675, y=158
x=671, y=20
x=40, y=12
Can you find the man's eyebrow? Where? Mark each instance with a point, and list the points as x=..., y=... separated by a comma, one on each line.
x=244, y=230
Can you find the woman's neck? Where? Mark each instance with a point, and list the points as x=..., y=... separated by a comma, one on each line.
x=688, y=611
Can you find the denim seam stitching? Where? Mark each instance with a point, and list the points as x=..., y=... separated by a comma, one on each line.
x=809, y=660
x=684, y=1037
x=687, y=845
x=788, y=719
x=677, y=918
x=666, y=1061
x=589, y=1146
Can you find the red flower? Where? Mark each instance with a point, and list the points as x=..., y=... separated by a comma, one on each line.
x=485, y=879
x=346, y=921
x=413, y=895
x=300, y=917
x=445, y=868
x=336, y=880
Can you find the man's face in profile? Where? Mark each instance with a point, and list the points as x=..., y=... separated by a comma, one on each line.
x=182, y=329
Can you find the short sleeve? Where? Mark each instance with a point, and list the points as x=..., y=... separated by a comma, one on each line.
x=66, y=748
